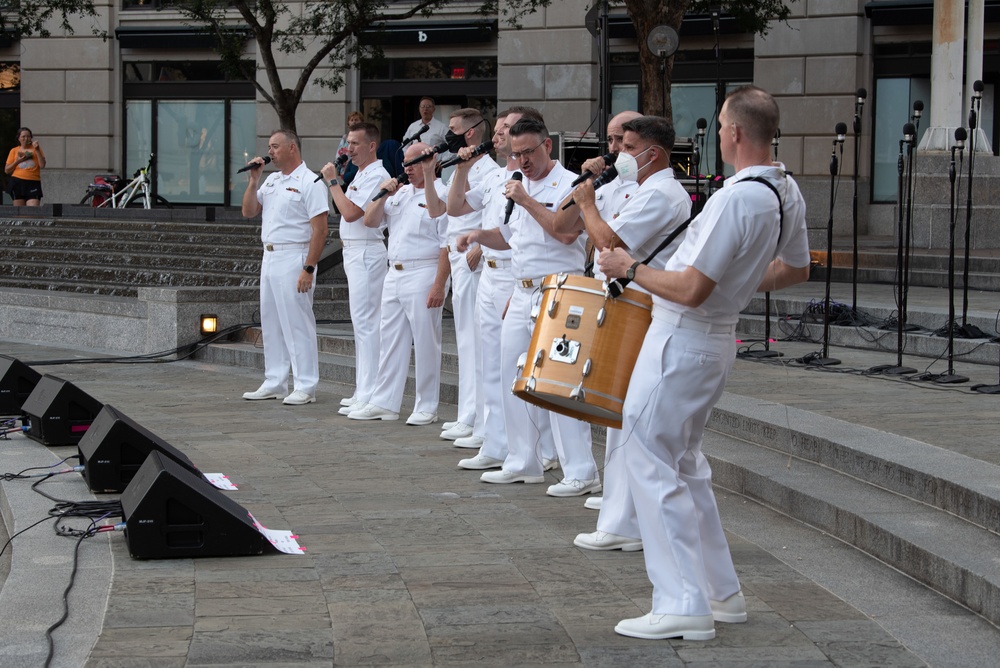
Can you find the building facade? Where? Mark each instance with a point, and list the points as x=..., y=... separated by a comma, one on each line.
x=156, y=87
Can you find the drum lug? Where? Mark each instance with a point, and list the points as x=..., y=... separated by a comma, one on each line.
x=561, y=279
x=530, y=385
x=521, y=361
x=552, y=307
x=539, y=356
x=578, y=393
x=586, y=368
x=600, y=316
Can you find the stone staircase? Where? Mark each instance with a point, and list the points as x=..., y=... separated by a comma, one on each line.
x=124, y=250
x=931, y=513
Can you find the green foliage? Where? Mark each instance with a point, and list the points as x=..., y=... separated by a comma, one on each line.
x=34, y=18
x=755, y=16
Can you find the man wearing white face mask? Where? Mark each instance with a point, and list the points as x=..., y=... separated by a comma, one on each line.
x=657, y=207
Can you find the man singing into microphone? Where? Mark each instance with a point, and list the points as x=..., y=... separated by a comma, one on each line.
x=293, y=229
x=538, y=250
x=364, y=255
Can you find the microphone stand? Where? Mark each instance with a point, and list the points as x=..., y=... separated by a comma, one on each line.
x=767, y=352
x=899, y=369
x=859, y=106
x=719, y=93
x=968, y=331
x=950, y=376
x=825, y=359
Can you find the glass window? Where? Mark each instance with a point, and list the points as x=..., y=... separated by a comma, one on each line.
x=138, y=135
x=890, y=117
x=624, y=97
x=191, y=158
x=242, y=144
x=10, y=78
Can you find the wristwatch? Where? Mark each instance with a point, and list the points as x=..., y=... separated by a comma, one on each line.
x=630, y=273
x=309, y=268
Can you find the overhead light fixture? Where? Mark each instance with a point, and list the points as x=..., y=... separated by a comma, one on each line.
x=209, y=323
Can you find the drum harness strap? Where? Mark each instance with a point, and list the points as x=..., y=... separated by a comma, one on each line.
x=617, y=286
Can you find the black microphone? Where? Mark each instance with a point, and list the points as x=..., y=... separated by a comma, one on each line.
x=701, y=124
x=960, y=136
x=440, y=148
x=266, y=160
x=859, y=105
x=841, y=130
x=604, y=178
x=977, y=89
x=423, y=128
x=862, y=96
x=918, y=111
x=516, y=176
x=977, y=96
x=608, y=159
x=402, y=180
x=338, y=163
x=479, y=150
x=908, y=131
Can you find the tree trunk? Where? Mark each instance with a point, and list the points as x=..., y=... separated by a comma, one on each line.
x=655, y=72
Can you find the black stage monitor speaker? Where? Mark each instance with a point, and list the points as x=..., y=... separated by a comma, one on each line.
x=17, y=380
x=59, y=413
x=171, y=513
x=114, y=448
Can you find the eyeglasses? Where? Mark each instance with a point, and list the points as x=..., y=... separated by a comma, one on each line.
x=517, y=155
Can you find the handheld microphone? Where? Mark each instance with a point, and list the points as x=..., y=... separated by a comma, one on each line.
x=604, y=178
x=443, y=146
x=402, y=180
x=608, y=159
x=516, y=176
x=416, y=135
x=338, y=163
x=479, y=150
x=266, y=160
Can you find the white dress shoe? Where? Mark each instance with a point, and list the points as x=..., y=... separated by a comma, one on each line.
x=575, y=487
x=469, y=442
x=460, y=430
x=298, y=398
x=420, y=418
x=480, y=462
x=372, y=412
x=731, y=611
x=602, y=540
x=593, y=503
x=549, y=464
x=262, y=393
x=348, y=401
x=503, y=477
x=347, y=410
x=658, y=627
x=445, y=426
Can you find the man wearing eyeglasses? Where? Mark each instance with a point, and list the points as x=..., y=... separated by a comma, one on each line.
x=538, y=250
x=436, y=130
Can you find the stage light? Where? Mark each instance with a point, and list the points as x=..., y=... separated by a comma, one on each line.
x=209, y=323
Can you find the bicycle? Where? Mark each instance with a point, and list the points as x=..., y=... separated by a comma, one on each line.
x=110, y=191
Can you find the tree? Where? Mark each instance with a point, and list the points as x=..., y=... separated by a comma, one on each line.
x=328, y=29
x=754, y=15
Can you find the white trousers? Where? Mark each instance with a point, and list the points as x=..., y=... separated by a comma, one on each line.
x=679, y=376
x=523, y=420
x=464, y=286
x=365, y=266
x=407, y=321
x=287, y=323
x=617, y=513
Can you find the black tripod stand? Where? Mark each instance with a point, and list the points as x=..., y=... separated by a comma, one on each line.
x=767, y=352
x=824, y=359
x=950, y=376
x=902, y=240
x=859, y=106
x=968, y=331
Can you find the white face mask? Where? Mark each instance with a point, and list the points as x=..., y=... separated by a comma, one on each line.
x=628, y=166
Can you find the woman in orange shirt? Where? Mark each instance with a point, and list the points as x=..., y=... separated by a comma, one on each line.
x=24, y=166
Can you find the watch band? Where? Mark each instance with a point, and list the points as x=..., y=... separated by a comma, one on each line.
x=309, y=268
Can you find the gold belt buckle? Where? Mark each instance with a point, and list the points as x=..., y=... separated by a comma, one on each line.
x=527, y=283
x=269, y=247
x=398, y=266
x=492, y=264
